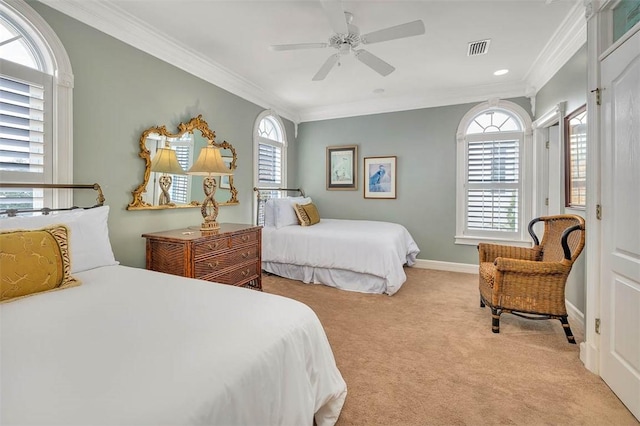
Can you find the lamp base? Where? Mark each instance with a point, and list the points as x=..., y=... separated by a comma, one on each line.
x=209, y=225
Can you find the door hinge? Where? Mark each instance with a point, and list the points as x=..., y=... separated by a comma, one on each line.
x=598, y=212
x=597, y=91
x=546, y=145
x=546, y=201
x=597, y=325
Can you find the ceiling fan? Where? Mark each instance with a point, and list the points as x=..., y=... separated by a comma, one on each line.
x=347, y=38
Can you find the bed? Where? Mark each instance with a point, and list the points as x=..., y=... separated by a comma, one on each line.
x=355, y=255
x=131, y=346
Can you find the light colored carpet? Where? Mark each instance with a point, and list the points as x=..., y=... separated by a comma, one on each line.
x=427, y=356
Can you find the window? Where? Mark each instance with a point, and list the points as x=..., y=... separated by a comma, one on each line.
x=576, y=158
x=35, y=108
x=270, y=146
x=270, y=154
x=493, y=141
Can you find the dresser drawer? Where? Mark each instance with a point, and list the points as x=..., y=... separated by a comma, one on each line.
x=209, y=247
x=213, y=264
x=244, y=239
x=237, y=276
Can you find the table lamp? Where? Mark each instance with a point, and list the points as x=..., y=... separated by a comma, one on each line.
x=166, y=162
x=209, y=164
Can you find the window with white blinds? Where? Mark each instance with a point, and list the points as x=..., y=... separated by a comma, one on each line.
x=31, y=135
x=270, y=154
x=21, y=126
x=269, y=164
x=25, y=145
x=493, y=180
x=270, y=147
x=491, y=198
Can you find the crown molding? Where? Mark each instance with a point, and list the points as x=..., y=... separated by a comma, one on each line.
x=383, y=105
x=112, y=20
x=570, y=36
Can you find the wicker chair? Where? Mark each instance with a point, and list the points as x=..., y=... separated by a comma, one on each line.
x=521, y=281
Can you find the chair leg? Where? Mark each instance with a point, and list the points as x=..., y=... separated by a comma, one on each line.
x=567, y=330
x=495, y=320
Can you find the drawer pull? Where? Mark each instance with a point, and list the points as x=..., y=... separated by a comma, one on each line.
x=213, y=265
x=245, y=273
x=213, y=246
x=245, y=238
x=245, y=255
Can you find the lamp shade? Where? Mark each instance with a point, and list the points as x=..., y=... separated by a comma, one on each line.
x=165, y=161
x=210, y=163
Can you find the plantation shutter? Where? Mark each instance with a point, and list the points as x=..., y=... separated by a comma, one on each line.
x=180, y=183
x=21, y=126
x=269, y=164
x=493, y=182
x=25, y=119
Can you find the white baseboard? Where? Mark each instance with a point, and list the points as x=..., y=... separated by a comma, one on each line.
x=575, y=314
x=590, y=357
x=446, y=266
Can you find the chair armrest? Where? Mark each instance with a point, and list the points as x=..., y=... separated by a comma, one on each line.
x=529, y=267
x=489, y=252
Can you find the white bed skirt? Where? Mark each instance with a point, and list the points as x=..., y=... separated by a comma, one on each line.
x=338, y=278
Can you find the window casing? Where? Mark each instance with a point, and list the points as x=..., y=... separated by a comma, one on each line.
x=494, y=188
x=36, y=118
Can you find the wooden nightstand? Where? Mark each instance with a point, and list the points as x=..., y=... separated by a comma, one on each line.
x=230, y=256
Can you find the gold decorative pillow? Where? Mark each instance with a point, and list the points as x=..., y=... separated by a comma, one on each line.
x=312, y=212
x=34, y=261
x=303, y=217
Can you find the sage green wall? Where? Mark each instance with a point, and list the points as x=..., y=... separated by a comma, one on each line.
x=424, y=141
x=119, y=92
x=569, y=84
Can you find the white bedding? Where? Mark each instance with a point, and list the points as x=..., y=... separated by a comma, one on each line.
x=136, y=347
x=378, y=249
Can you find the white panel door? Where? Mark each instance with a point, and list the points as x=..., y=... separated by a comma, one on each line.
x=620, y=280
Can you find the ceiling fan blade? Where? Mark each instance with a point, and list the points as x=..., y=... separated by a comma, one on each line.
x=326, y=67
x=409, y=29
x=278, y=47
x=335, y=13
x=375, y=63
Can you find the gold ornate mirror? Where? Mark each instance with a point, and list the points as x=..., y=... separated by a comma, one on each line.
x=167, y=156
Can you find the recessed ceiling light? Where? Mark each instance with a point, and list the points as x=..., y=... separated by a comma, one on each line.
x=501, y=72
x=378, y=91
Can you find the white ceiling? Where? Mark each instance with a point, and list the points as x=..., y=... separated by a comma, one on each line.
x=227, y=43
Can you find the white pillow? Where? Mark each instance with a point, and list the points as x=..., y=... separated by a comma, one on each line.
x=89, y=234
x=269, y=213
x=284, y=213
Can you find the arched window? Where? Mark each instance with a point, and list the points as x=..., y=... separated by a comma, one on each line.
x=493, y=144
x=270, y=151
x=35, y=107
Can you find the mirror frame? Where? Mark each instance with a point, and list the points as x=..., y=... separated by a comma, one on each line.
x=196, y=123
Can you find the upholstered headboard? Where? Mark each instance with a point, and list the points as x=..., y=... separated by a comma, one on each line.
x=264, y=194
x=46, y=210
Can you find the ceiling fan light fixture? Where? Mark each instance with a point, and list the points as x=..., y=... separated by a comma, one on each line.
x=347, y=38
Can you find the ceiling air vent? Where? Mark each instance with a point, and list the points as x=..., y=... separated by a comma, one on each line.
x=479, y=47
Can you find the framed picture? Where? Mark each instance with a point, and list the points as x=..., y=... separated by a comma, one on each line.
x=575, y=158
x=224, y=180
x=342, y=167
x=380, y=177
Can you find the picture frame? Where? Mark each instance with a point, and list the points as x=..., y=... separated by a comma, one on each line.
x=342, y=168
x=380, y=177
x=224, y=180
x=575, y=158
